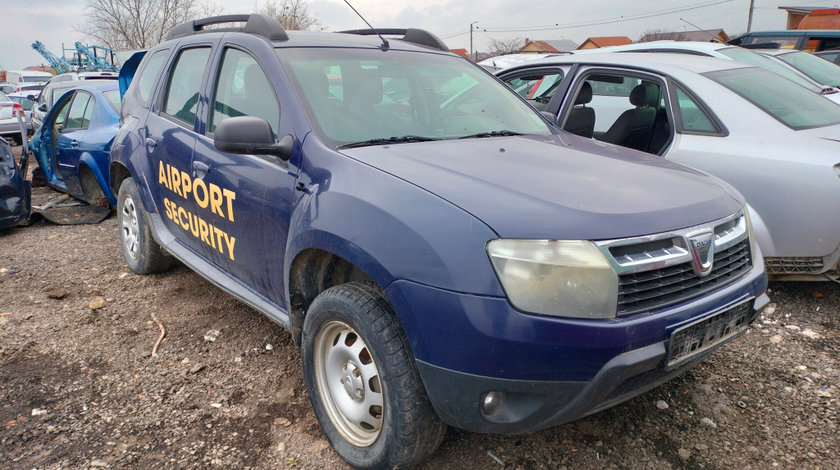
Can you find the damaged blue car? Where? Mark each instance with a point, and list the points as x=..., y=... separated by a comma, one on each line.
x=73, y=144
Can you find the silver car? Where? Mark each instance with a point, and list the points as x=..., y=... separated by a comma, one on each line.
x=776, y=142
x=9, y=126
x=817, y=69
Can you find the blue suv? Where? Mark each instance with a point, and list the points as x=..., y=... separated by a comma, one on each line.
x=440, y=252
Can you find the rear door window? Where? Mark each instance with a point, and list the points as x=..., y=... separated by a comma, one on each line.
x=182, y=92
x=148, y=77
x=77, y=117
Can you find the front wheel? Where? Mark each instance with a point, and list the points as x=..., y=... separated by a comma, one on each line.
x=362, y=380
x=142, y=253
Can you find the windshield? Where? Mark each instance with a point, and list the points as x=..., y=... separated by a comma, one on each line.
x=758, y=60
x=36, y=78
x=361, y=95
x=794, y=106
x=818, y=69
x=24, y=102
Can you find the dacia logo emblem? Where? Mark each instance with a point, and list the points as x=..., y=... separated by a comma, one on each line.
x=701, y=246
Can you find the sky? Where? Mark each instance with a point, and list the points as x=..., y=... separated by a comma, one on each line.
x=57, y=22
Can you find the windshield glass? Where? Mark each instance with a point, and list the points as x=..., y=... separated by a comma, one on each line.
x=758, y=60
x=357, y=95
x=796, y=107
x=818, y=69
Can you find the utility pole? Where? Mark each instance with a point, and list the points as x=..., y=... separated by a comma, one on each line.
x=472, y=54
x=749, y=21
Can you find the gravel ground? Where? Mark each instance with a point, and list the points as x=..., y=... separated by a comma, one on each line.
x=80, y=389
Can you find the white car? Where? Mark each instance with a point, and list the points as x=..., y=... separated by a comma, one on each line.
x=725, y=51
x=819, y=70
x=776, y=142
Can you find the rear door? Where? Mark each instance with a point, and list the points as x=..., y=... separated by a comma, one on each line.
x=170, y=138
x=244, y=201
x=69, y=146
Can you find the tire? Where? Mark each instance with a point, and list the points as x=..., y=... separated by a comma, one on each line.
x=142, y=253
x=363, y=383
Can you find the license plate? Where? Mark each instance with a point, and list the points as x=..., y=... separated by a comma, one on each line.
x=689, y=341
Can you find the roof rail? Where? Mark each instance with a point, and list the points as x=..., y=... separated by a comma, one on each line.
x=762, y=45
x=412, y=35
x=255, y=23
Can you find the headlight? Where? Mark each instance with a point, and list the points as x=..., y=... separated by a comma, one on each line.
x=556, y=277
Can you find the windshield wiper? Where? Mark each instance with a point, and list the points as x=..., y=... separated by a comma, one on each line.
x=388, y=140
x=501, y=133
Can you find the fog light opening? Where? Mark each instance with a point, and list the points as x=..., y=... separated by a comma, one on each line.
x=491, y=403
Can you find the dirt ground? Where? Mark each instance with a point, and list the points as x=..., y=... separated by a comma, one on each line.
x=79, y=387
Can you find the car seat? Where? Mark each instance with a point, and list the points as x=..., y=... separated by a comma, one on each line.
x=633, y=127
x=581, y=120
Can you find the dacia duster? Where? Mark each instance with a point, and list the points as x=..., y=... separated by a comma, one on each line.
x=440, y=252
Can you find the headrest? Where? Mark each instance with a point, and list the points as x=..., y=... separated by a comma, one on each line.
x=362, y=87
x=585, y=94
x=644, y=94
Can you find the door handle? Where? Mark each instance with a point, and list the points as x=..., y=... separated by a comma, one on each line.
x=151, y=143
x=74, y=143
x=200, y=169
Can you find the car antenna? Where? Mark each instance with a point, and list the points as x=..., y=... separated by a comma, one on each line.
x=385, y=44
x=714, y=38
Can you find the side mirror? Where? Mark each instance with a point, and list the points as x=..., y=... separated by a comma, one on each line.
x=30, y=97
x=251, y=135
x=43, y=107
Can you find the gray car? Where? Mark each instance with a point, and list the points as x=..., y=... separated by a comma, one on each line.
x=776, y=142
x=9, y=126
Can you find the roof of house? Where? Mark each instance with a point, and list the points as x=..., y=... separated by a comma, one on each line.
x=798, y=9
x=553, y=45
x=605, y=41
x=461, y=52
x=704, y=35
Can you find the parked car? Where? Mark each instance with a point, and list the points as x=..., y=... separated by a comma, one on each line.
x=724, y=51
x=811, y=40
x=73, y=145
x=832, y=56
x=774, y=141
x=9, y=126
x=48, y=96
x=15, y=190
x=92, y=75
x=441, y=253
x=23, y=99
x=815, y=68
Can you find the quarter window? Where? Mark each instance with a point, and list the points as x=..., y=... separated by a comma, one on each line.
x=243, y=89
x=148, y=77
x=182, y=93
x=692, y=115
x=78, y=118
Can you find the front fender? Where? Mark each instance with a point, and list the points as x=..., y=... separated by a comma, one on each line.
x=762, y=235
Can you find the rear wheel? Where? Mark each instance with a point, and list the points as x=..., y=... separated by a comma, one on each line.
x=142, y=253
x=362, y=381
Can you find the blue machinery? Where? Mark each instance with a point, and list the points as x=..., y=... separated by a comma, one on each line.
x=82, y=58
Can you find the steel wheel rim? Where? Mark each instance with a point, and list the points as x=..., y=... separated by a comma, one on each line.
x=130, y=228
x=349, y=383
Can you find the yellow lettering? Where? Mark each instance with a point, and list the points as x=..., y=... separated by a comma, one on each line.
x=219, y=234
x=203, y=230
x=216, y=200
x=181, y=214
x=203, y=200
x=168, y=209
x=175, y=176
x=162, y=175
x=211, y=229
x=229, y=196
x=186, y=184
x=230, y=242
x=194, y=227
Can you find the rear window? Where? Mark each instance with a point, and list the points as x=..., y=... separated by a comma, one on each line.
x=758, y=60
x=793, y=106
x=818, y=69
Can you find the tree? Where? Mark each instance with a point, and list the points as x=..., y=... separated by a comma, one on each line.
x=139, y=24
x=506, y=46
x=292, y=14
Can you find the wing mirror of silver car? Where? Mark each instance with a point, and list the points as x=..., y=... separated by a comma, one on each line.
x=251, y=135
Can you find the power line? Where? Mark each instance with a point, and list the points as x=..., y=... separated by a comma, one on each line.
x=594, y=22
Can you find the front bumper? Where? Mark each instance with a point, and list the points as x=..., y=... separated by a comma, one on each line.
x=549, y=370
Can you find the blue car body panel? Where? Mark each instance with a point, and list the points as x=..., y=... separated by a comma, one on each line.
x=416, y=219
x=62, y=155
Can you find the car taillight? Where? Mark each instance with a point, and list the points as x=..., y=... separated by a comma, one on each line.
x=17, y=109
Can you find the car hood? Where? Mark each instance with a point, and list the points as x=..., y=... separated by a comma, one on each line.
x=559, y=187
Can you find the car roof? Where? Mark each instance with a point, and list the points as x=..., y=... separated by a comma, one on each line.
x=661, y=62
x=696, y=46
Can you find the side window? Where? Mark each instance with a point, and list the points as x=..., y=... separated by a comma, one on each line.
x=693, y=118
x=537, y=88
x=147, y=78
x=242, y=89
x=61, y=116
x=182, y=91
x=76, y=116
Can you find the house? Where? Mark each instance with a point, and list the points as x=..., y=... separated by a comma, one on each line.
x=703, y=35
x=547, y=46
x=461, y=52
x=604, y=41
x=795, y=15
